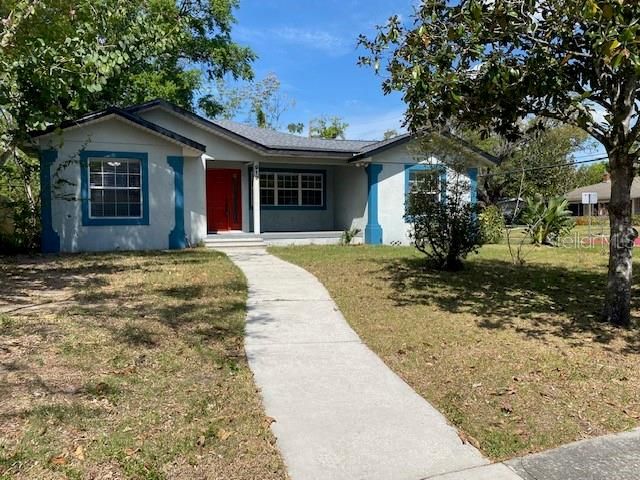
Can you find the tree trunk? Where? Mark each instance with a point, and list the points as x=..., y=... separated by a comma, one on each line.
x=617, y=309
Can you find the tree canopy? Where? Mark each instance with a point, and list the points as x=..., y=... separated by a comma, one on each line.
x=59, y=58
x=492, y=63
x=328, y=127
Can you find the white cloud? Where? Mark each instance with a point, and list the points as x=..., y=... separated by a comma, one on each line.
x=373, y=126
x=321, y=40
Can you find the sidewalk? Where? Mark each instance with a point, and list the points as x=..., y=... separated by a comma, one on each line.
x=340, y=413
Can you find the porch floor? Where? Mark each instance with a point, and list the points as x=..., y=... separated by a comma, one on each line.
x=327, y=237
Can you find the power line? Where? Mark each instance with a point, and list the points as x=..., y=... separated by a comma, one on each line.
x=541, y=167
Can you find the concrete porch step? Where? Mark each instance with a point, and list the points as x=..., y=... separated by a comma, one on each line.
x=234, y=241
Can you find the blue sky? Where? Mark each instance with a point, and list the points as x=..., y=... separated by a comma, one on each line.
x=311, y=46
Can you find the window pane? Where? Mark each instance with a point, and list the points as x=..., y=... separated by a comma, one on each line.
x=312, y=181
x=121, y=180
x=109, y=196
x=134, y=196
x=109, y=209
x=109, y=180
x=267, y=180
x=267, y=197
x=108, y=167
x=96, y=210
x=287, y=197
x=95, y=167
x=122, y=210
x=134, y=180
x=287, y=181
x=122, y=167
x=312, y=197
x=96, y=180
x=135, y=209
x=134, y=167
x=122, y=196
x=97, y=196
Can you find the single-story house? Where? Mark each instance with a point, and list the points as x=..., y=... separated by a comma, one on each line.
x=603, y=191
x=156, y=176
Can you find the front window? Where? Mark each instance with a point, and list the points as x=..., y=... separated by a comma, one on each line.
x=115, y=188
x=291, y=189
x=425, y=181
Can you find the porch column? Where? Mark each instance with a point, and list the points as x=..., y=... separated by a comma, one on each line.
x=256, y=197
x=373, y=230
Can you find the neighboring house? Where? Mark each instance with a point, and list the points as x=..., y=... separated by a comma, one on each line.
x=603, y=190
x=156, y=176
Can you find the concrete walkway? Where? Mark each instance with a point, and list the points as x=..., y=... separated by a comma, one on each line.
x=612, y=457
x=339, y=412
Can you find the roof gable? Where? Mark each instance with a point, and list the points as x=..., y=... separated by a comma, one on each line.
x=125, y=115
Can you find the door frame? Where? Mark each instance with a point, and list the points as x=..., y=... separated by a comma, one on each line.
x=241, y=205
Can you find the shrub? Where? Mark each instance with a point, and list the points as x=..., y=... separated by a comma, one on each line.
x=445, y=231
x=547, y=220
x=348, y=236
x=492, y=224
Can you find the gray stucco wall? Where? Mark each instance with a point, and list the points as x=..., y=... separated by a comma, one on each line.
x=115, y=136
x=350, y=198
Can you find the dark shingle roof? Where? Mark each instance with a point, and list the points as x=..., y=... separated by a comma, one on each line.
x=281, y=140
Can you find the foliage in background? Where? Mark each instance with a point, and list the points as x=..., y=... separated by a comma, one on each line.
x=328, y=127
x=547, y=220
x=389, y=134
x=19, y=205
x=446, y=229
x=591, y=174
x=545, y=152
x=492, y=224
x=489, y=64
x=260, y=103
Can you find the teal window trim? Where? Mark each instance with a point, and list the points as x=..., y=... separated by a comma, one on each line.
x=49, y=238
x=373, y=230
x=177, y=236
x=290, y=207
x=85, y=155
x=418, y=167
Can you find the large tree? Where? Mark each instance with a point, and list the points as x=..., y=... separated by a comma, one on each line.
x=494, y=62
x=62, y=58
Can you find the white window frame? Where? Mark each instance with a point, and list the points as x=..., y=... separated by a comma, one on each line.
x=106, y=160
x=300, y=189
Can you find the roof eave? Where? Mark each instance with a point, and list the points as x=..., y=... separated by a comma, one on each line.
x=122, y=114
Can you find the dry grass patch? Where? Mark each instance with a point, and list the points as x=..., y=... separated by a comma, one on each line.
x=513, y=356
x=128, y=366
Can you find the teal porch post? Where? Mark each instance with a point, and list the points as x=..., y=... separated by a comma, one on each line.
x=373, y=230
x=49, y=237
x=178, y=237
x=472, y=173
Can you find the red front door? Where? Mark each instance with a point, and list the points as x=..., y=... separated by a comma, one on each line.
x=224, y=205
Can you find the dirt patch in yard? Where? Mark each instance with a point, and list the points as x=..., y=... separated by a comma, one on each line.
x=128, y=366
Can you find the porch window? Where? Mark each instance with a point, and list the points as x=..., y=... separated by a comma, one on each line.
x=287, y=189
x=115, y=188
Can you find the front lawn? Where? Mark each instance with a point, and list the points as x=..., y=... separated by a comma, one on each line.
x=128, y=366
x=513, y=356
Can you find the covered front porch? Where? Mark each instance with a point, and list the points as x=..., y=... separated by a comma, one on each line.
x=282, y=204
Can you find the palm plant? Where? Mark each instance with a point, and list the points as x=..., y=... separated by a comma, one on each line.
x=547, y=220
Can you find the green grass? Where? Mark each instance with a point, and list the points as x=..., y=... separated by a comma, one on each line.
x=132, y=366
x=514, y=356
